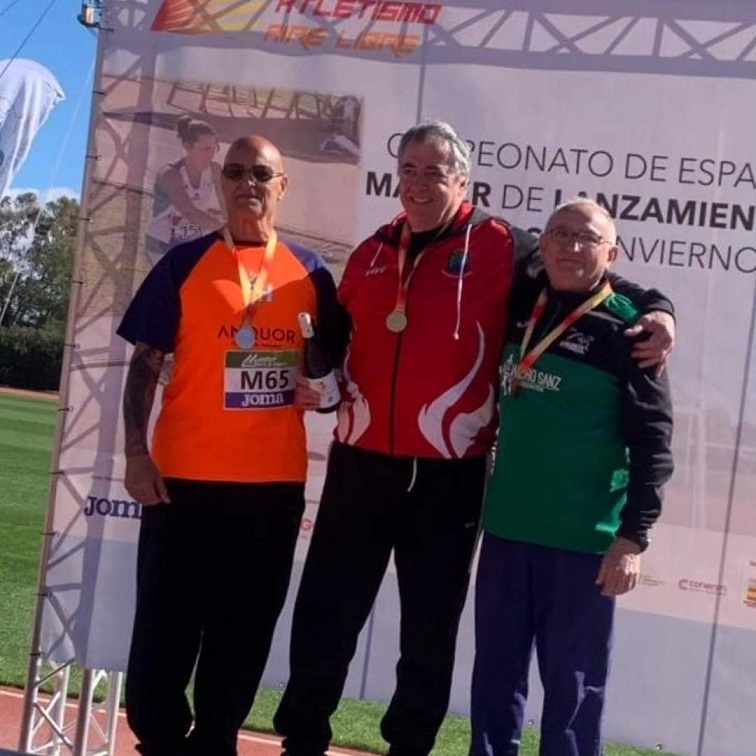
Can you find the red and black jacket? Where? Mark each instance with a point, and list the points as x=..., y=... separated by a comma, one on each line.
x=429, y=391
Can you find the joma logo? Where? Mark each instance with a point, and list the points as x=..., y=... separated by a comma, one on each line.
x=102, y=507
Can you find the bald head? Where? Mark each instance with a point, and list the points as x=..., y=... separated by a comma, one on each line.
x=252, y=146
x=253, y=184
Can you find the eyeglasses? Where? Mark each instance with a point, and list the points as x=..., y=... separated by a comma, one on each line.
x=262, y=174
x=584, y=239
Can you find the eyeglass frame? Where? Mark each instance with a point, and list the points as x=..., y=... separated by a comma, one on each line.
x=570, y=237
x=250, y=172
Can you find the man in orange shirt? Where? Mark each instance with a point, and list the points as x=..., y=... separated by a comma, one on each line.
x=222, y=483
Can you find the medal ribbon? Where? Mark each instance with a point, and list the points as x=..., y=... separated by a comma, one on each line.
x=401, y=294
x=528, y=360
x=404, y=245
x=252, y=293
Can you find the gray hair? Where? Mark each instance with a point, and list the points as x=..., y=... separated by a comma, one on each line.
x=429, y=130
x=576, y=202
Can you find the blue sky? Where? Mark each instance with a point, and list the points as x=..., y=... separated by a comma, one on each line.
x=65, y=47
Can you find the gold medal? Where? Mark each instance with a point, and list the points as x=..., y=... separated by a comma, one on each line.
x=396, y=321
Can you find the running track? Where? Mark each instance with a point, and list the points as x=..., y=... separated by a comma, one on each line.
x=11, y=710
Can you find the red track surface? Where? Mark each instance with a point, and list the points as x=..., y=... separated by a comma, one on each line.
x=11, y=711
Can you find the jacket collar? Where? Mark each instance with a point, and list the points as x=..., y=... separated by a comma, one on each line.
x=391, y=232
x=571, y=298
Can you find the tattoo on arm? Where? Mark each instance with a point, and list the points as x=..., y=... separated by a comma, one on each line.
x=141, y=382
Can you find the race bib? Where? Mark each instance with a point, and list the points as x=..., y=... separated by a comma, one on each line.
x=182, y=230
x=260, y=379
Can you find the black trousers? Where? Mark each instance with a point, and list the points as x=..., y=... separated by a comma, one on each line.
x=427, y=512
x=213, y=569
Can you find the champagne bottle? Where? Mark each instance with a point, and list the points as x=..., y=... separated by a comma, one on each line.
x=317, y=367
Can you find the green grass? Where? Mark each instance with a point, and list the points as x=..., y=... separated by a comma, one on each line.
x=26, y=431
x=26, y=434
x=356, y=724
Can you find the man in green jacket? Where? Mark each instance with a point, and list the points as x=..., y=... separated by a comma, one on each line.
x=583, y=453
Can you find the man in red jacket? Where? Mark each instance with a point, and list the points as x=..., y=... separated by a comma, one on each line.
x=428, y=298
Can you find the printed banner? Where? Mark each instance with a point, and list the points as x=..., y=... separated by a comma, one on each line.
x=646, y=107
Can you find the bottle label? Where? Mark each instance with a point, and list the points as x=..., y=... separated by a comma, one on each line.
x=328, y=387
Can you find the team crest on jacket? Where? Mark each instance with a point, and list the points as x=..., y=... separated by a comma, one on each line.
x=454, y=263
x=577, y=342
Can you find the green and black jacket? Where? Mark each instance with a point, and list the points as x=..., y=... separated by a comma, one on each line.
x=584, y=447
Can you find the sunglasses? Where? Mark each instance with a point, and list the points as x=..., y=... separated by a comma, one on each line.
x=260, y=173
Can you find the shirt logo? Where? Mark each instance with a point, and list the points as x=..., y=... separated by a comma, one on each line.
x=454, y=263
x=534, y=379
x=577, y=342
x=376, y=271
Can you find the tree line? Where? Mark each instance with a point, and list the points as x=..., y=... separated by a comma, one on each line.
x=36, y=262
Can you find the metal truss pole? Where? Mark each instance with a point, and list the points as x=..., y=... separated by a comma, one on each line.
x=95, y=734
x=40, y=715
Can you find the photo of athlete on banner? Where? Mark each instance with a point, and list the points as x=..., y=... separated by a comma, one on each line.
x=188, y=201
x=182, y=141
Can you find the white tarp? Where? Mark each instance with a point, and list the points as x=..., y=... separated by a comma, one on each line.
x=649, y=105
x=28, y=94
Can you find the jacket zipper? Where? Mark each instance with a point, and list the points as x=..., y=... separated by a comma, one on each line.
x=397, y=354
x=394, y=378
